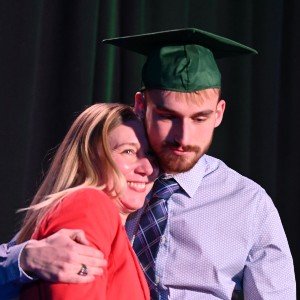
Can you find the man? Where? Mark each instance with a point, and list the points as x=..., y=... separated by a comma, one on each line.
x=223, y=233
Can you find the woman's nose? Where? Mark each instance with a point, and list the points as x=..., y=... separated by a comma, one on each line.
x=145, y=167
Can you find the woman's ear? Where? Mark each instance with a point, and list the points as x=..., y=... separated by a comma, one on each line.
x=140, y=105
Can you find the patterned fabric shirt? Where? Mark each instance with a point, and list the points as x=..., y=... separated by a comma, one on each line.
x=11, y=275
x=223, y=234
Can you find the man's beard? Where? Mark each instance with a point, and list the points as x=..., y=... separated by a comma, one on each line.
x=172, y=163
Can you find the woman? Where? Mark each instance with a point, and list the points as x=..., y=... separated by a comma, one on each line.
x=100, y=174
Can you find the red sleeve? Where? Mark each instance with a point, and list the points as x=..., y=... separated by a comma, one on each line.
x=94, y=212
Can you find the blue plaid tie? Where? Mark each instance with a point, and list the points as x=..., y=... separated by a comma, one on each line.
x=151, y=228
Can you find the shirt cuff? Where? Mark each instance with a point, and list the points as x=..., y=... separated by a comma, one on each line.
x=24, y=277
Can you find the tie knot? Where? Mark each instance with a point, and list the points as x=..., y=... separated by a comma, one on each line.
x=163, y=188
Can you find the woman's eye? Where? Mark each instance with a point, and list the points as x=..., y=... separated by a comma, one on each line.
x=128, y=151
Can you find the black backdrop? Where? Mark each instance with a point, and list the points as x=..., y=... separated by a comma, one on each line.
x=52, y=63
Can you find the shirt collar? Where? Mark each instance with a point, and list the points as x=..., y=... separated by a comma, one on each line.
x=190, y=180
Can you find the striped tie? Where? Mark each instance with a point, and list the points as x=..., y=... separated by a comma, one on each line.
x=151, y=228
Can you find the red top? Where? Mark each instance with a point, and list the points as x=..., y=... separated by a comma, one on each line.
x=94, y=212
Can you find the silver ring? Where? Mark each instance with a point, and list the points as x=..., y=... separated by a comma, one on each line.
x=83, y=271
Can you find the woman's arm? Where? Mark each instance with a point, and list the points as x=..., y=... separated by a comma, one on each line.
x=87, y=210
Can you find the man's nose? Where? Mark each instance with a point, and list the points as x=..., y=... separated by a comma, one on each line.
x=182, y=133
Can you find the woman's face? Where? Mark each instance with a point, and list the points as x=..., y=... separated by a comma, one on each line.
x=134, y=158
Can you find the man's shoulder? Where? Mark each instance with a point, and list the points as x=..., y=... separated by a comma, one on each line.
x=219, y=169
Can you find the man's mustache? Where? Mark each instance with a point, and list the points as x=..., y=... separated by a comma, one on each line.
x=187, y=148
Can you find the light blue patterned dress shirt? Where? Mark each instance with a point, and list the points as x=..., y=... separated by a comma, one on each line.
x=11, y=275
x=223, y=234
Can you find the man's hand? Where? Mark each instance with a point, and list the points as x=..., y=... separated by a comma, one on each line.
x=59, y=257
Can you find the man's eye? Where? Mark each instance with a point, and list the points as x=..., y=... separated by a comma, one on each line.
x=200, y=119
x=166, y=116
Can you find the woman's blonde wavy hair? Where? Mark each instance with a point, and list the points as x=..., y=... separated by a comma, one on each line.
x=83, y=159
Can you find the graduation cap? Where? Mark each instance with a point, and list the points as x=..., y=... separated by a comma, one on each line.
x=181, y=60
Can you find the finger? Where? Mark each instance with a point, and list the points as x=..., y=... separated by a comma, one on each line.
x=94, y=264
x=79, y=254
x=77, y=235
x=88, y=251
x=81, y=279
x=74, y=278
x=80, y=237
x=90, y=270
x=94, y=268
x=93, y=271
x=70, y=274
x=76, y=254
x=67, y=238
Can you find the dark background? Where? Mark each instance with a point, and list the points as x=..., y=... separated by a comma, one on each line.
x=52, y=64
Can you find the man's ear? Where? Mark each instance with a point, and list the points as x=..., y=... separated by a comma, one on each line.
x=220, y=112
x=140, y=105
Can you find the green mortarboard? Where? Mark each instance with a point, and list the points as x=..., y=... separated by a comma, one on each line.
x=181, y=60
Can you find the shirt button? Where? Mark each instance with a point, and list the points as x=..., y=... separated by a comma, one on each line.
x=163, y=239
x=156, y=279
